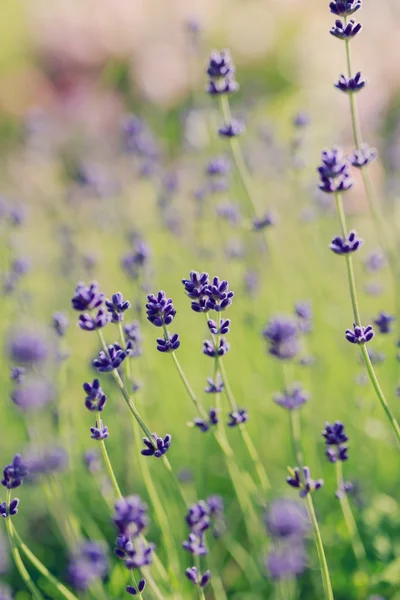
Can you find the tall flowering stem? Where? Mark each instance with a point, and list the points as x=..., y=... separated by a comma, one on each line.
x=358, y=546
x=320, y=549
x=376, y=212
x=220, y=368
x=356, y=313
x=36, y=594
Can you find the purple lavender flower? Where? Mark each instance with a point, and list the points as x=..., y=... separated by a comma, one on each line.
x=33, y=394
x=60, y=323
x=228, y=211
x=210, y=350
x=345, y=31
x=160, y=310
x=347, y=245
x=133, y=591
x=350, y=85
x=136, y=260
x=221, y=71
x=334, y=172
x=96, y=398
x=10, y=510
x=193, y=576
x=214, y=386
x=27, y=347
x=116, y=307
x=345, y=8
x=160, y=448
x=130, y=516
x=335, y=436
x=196, y=287
x=204, y=425
x=18, y=374
x=92, y=461
x=287, y=561
x=222, y=86
x=384, y=322
x=268, y=220
x=237, y=417
x=88, y=564
x=92, y=323
x=14, y=473
x=223, y=329
x=111, y=360
x=218, y=295
x=287, y=519
x=168, y=345
x=43, y=461
x=301, y=119
x=308, y=485
x=359, y=334
x=363, y=156
x=232, y=129
x=87, y=298
x=133, y=334
x=100, y=431
x=292, y=398
x=218, y=166
x=282, y=336
x=374, y=262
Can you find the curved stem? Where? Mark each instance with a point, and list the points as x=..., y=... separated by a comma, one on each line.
x=326, y=580
x=42, y=569
x=356, y=542
x=356, y=313
x=18, y=560
x=110, y=471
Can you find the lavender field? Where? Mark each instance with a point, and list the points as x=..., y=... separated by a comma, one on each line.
x=200, y=277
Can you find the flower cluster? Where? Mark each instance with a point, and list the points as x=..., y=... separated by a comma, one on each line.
x=363, y=156
x=346, y=245
x=197, y=578
x=199, y=518
x=359, y=334
x=384, y=322
x=350, y=85
x=87, y=298
x=232, y=129
x=335, y=440
x=268, y=220
x=157, y=448
x=345, y=8
x=237, y=417
x=288, y=524
x=204, y=425
x=161, y=312
x=334, y=172
x=116, y=307
x=60, y=323
x=282, y=335
x=292, y=398
x=133, y=591
x=110, y=360
x=130, y=519
x=304, y=314
x=221, y=73
x=88, y=564
x=14, y=473
x=345, y=31
x=304, y=483
x=135, y=261
x=96, y=398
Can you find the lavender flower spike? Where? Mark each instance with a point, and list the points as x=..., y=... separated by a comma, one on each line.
x=346, y=245
x=87, y=298
x=306, y=485
x=384, y=322
x=346, y=31
x=162, y=448
x=292, y=398
x=345, y=8
x=359, y=334
x=160, y=310
x=106, y=362
x=14, y=473
x=350, y=85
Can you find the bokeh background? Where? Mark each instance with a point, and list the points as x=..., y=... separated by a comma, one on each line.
x=75, y=204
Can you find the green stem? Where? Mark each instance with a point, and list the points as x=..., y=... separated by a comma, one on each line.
x=294, y=426
x=126, y=395
x=110, y=471
x=358, y=546
x=219, y=365
x=42, y=569
x=133, y=579
x=18, y=560
x=200, y=590
x=320, y=549
x=356, y=313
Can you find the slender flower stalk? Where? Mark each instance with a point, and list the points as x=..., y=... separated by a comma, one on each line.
x=36, y=594
x=357, y=544
x=379, y=220
x=220, y=436
x=60, y=587
x=356, y=313
x=220, y=369
x=320, y=549
x=295, y=434
x=151, y=488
